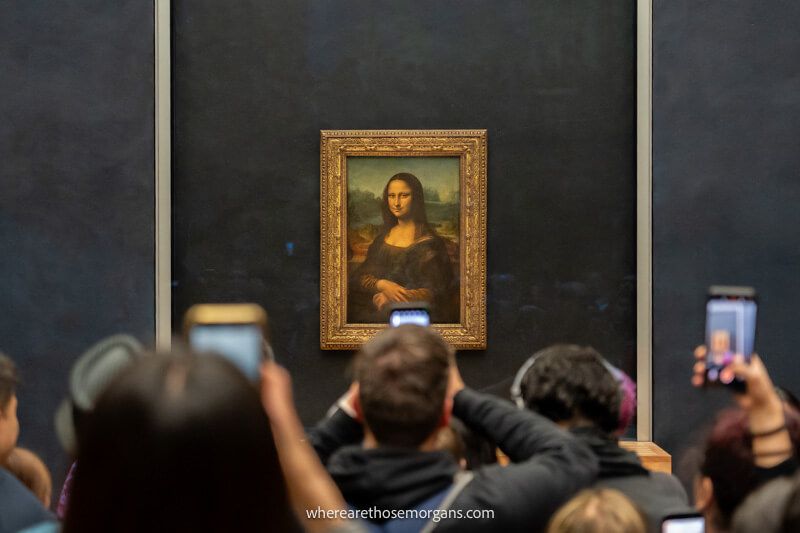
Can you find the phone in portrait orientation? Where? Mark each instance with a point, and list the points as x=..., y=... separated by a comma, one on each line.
x=730, y=330
x=683, y=523
x=237, y=332
x=416, y=313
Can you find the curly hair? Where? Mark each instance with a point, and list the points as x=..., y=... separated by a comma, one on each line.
x=570, y=381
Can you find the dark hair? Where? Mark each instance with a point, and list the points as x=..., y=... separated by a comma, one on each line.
x=788, y=397
x=178, y=443
x=417, y=212
x=403, y=375
x=477, y=449
x=569, y=381
x=8, y=380
x=728, y=459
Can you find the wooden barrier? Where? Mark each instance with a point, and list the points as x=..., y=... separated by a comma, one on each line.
x=653, y=457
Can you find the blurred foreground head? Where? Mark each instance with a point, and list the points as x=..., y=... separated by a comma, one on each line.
x=598, y=511
x=178, y=443
x=728, y=472
x=88, y=378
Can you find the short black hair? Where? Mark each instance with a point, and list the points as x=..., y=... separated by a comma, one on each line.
x=569, y=381
x=403, y=374
x=8, y=380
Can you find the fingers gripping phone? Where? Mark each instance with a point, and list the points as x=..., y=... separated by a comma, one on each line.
x=730, y=330
x=237, y=332
x=409, y=313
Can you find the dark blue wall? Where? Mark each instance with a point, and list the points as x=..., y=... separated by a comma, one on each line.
x=726, y=189
x=553, y=82
x=253, y=86
x=77, y=186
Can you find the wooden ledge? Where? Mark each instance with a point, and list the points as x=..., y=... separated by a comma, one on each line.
x=653, y=457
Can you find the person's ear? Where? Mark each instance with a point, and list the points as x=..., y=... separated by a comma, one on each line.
x=356, y=401
x=447, y=411
x=703, y=493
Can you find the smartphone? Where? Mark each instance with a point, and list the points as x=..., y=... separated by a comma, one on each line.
x=237, y=332
x=730, y=330
x=409, y=313
x=683, y=523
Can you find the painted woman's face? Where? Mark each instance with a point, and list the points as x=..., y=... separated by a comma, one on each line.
x=399, y=197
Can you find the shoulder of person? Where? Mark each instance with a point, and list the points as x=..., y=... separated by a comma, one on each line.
x=19, y=507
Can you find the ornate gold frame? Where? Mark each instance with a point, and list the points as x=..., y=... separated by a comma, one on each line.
x=335, y=147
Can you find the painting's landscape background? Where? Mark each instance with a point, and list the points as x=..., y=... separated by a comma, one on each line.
x=366, y=178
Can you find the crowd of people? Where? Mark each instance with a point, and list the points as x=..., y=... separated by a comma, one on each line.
x=185, y=442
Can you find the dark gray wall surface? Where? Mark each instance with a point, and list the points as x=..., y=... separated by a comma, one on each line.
x=553, y=82
x=726, y=154
x=76, y=208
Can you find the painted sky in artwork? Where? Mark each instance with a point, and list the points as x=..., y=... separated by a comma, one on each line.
x=372, y=173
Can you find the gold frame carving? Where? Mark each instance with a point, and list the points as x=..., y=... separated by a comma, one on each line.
x=335, y=147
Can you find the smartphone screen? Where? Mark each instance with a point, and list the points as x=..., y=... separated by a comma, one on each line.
x=241, y=344
x=730, y=330
x=683, y=524
x=419, y=317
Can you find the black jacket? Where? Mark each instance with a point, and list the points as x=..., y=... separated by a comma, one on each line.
x=549, y=466
x=657, y=494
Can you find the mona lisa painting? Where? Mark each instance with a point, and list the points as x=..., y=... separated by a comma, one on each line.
x=403, y=219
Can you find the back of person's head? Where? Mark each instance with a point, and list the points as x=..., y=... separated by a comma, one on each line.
x=403, y=374
x=571, y=384
x=763, y=510
x=598, y=511
x=178, y=443
x=477, y=449
x=790, y=518
x=729, y=465
x=788, y=398
x=9, y=425
x=88, y=378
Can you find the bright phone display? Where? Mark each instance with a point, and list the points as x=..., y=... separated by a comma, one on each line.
x=417, y=316
x=683, y=524
x=234, y=331
x=730, y=330
x=241, y=344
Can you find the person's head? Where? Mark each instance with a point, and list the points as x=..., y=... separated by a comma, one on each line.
x=788, y=398
x=572, y=386
x=403, y=198
x=763, y=510
x=598, y=511
x=178, y=443
x=477, y=449
x=403, y=375
x=88, y=378
x=9, y=425
x=727, y=471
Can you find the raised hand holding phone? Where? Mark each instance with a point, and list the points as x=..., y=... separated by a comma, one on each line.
x=767, y=422
x=730, y=330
